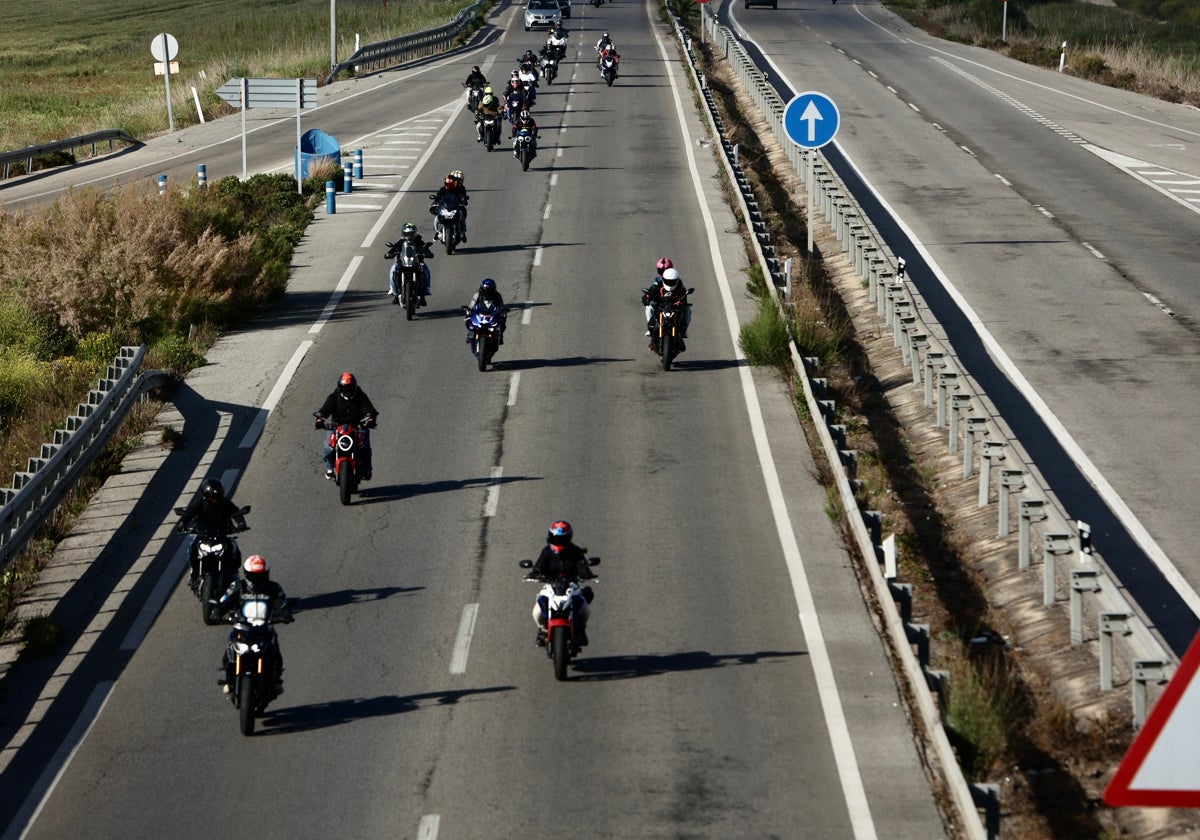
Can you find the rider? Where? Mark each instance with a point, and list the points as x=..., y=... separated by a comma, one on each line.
x=524, y=121
x=562, y=558
x=487, y=293
x=475, y=78
x=668, y=287
x=605, y=43
x=348, y=404
x=489, y=105
x=256, y=581
x=409, y=231
x=557, y=39
x=213, y=511
x=452, y=184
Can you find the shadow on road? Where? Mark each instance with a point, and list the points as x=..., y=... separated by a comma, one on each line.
x=653, y=665
x=338, y=712
x=346, y=597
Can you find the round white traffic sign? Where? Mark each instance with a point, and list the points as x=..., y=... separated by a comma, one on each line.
x=164, y=47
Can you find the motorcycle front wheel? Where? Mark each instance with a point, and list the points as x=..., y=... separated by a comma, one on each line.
x=667, y=350
x=483, y=344
x=410, y=299
x=525, y=159
x=450, y=236
x=208, y=609
x=246, y=703
x=345, y=480
x=559, y=644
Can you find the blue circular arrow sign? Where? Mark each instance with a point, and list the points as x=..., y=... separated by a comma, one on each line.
x=811, y=119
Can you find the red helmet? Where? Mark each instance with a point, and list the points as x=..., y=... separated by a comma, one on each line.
x=256, y=564
x=450, y=182
x=664, y=264
x=560, y=533
x=347, y=384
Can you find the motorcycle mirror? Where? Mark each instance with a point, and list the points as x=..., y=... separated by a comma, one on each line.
x=180, y=511
x=691, y=291
x=526, y=564
x=593, y=561
x=244, y=510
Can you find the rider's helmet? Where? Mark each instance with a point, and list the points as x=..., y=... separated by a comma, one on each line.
x=409, y=229
x=212, y=490
x=487, y=289
x=450, y=182
x=670, y=279
x=488, y=90
x=560, y=533
x=256, y=568
x=605, y=36
x=664, y=264
x=457, y=175
x=347, y=386
x=525, y=114
x=475, y=69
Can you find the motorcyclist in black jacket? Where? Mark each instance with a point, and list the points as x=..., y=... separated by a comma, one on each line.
x=256, y=581
x=562, y=558
x=453, y=183
x=409, y=232
x=214, y=512
x=348, y=404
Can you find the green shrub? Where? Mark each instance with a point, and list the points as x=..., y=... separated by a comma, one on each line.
x=21, y=378
x=174, y=353
x=765, y=340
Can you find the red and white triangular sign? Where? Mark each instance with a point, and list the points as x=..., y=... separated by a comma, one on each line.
x=1162, y=767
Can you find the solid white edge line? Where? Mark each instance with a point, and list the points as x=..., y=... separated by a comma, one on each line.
x=462, y=643
x=336, y=297
x=857, y=806
x=46, y=783
x=1136, y=529
x=493, y=493
x=264, y=413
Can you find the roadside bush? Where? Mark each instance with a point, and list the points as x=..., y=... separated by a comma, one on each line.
x=765, y=340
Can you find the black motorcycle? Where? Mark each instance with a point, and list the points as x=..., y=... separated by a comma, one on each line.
x=666, y=330
x=219, y=561
x=250, y=658
x=473, y=97
x=447, y=226
x=525, y=147
x=408, y=273
x=491, y=130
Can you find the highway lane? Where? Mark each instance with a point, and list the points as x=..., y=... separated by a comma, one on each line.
x=1064, y=215
x=701, y=706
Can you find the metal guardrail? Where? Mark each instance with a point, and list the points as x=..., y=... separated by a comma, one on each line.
x=973, y=427
x=36, y=492
x=407, y=47
x=30, y=153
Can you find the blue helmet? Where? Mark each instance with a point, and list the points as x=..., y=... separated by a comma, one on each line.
x=488, y=286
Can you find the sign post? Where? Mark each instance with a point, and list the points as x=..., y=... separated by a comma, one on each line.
x=811, y=121
x=270, y=93
x=164, y=48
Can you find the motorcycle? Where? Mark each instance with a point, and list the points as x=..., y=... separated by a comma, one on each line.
x=608, y=69
x=491, y=131
x=559, y=46
x=597, y=3
x=219, y=561
x=561, y=599
x=549, y=68
x=473, y=97
x=347, y=441
x=485, y=323
x=666, y=335
x=250, y=658
x=525, y=147
x=408, y=274
x=447, y=225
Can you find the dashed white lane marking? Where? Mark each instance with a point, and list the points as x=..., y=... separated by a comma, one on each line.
x=1095, y=253
x=554, y=179
x=546, y=212
x=427, y=828
x=493, y=493
x=336, y=297
x=527, y=315
x=1003, y=180
x=1158, y=303
x=462, y=643
x=537, y=256
x=514, y=383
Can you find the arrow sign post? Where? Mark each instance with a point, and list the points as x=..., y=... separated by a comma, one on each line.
x=811, y=120
x=270, y=93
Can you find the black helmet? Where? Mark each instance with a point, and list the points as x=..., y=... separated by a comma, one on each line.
x=347, y=385
x=212, y=490
x=475, y=69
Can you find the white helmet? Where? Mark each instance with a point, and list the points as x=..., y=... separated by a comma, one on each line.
x=670, y=278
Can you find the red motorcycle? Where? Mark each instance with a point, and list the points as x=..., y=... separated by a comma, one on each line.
x=347, y=441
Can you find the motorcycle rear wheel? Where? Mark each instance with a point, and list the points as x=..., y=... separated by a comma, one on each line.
x=559, y=651
x=246, y=703
x=345, y=480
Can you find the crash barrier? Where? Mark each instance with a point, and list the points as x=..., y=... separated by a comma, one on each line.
x=30, y=153
x=408, y=47
x=973, y=429
x=36, y=492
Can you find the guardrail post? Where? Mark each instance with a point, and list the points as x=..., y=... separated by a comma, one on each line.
x=1052, y=546
x=1145, y=671
x=920, y=341
x=1011, y=481
x=987, y=798
x=993, y=450
x=1111, y=624
x=959, y=405
x=976, y=428
x=933, y=361
x=947, y=380
x=902, y=595
x=1082, y=581
x=1032, y=510
x=908, y=325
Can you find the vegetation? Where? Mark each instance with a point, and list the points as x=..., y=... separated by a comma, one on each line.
x=76, y=66
x=1148, y=46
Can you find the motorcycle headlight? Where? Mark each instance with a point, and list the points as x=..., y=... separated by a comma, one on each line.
x=240, y=647
x=345, y=443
